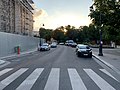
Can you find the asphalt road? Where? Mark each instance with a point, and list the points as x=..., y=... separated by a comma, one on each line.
x=57, y=69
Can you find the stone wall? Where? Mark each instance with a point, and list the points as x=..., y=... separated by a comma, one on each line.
x=16, y=17
x=8, y=42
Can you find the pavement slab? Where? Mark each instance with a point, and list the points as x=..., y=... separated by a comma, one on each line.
x=112, y=61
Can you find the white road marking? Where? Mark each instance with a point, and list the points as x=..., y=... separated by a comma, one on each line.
x=101, y=83
x=11, y=78
x=53, y=80
x=76, y=81
x=5, y=71
x=106, y=72
x=30, y=80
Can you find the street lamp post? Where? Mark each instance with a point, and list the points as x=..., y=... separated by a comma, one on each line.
x=100, y=42
x=100, y=30
x=40, y=39
x=40, y=34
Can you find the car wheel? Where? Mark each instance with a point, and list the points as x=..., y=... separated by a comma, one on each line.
x=77, y=54
x=90, y=56
x=38, y=49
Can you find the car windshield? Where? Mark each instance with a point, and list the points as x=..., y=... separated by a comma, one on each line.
x=45, y=45
x=84, y=47
x=53, y=43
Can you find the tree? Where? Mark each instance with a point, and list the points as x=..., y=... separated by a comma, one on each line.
x=106, y=13
x=42, y=32
x=58, y=35
x=45, y=33
x=71, y=33
x=93, y=33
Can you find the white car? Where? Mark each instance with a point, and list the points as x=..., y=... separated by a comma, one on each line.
x=45, y=47
x=53, y=45
x=73, y=44
x=61, y=43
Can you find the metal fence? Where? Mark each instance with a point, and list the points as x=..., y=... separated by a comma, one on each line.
x=8, y=42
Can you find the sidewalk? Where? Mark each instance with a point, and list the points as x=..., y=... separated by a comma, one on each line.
x=2, y=59
x=112, y=61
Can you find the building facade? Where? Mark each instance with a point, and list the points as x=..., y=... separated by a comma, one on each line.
x=16, y=16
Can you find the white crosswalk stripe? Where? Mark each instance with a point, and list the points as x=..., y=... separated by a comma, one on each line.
x=28, y=83
x=5, y=71
x=11, y=78
x=76, y=81
x=106, y=72
x=52, y=82
x=102, y=84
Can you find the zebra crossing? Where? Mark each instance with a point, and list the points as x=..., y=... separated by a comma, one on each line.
x=53, y=80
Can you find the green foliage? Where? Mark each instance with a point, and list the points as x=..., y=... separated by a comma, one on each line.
x=58, y=35
x=71, y=33
x=107, y=13
x=84, y=34
x=45, y=33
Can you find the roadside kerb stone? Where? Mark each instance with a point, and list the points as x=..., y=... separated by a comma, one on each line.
x=16, y=55
x=106, y=63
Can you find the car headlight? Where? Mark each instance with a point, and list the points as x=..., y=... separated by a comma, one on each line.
x=79, y=50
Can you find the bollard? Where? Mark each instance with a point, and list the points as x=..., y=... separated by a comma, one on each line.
x=18, y=50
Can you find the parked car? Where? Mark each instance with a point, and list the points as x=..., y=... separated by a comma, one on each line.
x=66, y=43
x=69, y=42
x=61, y=43
x=73, y=44
x=45, y=47
x=83, y=50
x=54, y=45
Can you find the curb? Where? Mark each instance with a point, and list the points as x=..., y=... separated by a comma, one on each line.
x=16, y=55
x=107, y=64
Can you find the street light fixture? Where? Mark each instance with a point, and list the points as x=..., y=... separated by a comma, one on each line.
x=100, y=42
x=40, y=34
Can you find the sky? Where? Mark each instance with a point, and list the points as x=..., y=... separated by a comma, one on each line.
x=56, y=13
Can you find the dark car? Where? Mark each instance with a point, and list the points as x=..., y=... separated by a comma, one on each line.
x=83, y=50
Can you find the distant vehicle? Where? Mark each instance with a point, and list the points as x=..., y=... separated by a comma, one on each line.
x=53, y=45
x=73, y=44
x=61, y=43
x=83, y=50
x=69, y=42
x=45, y=47
x=66, y=43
